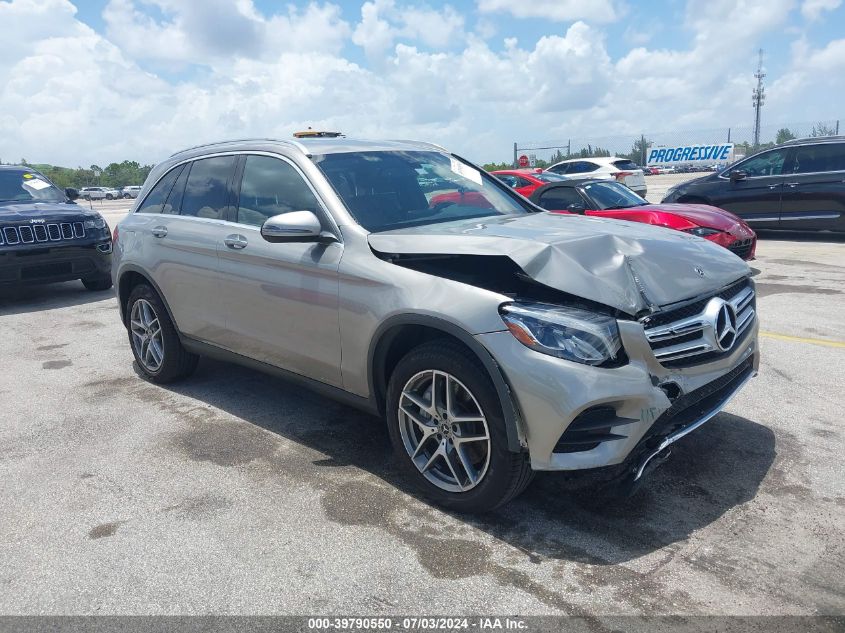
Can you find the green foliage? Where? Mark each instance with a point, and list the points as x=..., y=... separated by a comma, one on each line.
x=823, y=129
x=496, y=166
x=784, y=134
x=116, y=175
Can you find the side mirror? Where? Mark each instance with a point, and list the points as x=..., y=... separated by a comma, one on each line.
x=296, y=226
x=576, y=208
x=71, y=193
x=738, y=175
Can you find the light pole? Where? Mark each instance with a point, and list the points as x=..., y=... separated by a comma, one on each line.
x=758, y=98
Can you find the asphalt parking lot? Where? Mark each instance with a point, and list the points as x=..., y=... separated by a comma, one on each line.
x=239, y=493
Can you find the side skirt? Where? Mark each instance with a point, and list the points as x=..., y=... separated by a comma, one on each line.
x=330, y=391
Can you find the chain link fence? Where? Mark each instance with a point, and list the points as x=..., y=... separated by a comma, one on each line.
x=638, y=147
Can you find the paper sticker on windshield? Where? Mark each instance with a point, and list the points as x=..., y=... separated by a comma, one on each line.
x=466, y=171
x=36, y=183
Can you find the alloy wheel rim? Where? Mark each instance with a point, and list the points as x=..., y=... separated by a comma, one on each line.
x=145, y=329
x=444, y=431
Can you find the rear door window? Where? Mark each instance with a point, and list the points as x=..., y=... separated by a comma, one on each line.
x=155, y=200
x=207, y=188
x=811, y=159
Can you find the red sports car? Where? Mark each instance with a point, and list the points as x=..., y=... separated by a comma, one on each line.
x=605, y=198
x=525, y=181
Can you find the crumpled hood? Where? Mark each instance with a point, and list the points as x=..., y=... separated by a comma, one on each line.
x=23, y=211
x=629, y=266
x=701, y=214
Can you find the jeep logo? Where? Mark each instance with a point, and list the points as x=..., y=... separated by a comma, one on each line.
x=36, y=221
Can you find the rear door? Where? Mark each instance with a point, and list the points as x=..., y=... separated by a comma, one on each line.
x=184, y=236
x=814, y=188
x=756, y=198
x=281, y=300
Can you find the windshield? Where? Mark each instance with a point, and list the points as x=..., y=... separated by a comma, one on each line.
x=612, y=195
x=391, y=190
x=18, y=185
x=549, y=176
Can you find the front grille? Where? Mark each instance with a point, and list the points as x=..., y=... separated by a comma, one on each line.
x=742, y=248
x=690, y=335
x=29, y=234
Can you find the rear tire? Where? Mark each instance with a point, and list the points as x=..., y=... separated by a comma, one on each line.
x=158, y=352
x=109, y=196
x=427, y=426
x=97, y=283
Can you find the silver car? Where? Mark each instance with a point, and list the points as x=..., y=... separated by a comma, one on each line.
x=494, y=338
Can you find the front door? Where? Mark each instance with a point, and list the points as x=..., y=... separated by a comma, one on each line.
x=756, y=197
x=280, y=300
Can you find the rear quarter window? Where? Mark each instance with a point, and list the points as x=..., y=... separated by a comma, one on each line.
x=155, y=200
x=625, y=165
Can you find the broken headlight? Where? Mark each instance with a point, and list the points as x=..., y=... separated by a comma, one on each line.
x=570, y=333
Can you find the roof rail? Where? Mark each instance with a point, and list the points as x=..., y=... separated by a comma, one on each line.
x=795, y=141
x=236, y=140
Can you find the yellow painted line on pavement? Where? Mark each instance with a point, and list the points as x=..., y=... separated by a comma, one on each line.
x=802, y=339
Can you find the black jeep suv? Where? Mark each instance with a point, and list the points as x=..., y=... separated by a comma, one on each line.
x=797, y=185
x=45, y=236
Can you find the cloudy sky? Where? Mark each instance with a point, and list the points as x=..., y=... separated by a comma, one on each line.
x=101, y=80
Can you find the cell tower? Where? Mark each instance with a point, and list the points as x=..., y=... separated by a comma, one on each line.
x=758, y=98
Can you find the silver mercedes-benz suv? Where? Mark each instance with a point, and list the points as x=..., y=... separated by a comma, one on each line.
x=494, y=338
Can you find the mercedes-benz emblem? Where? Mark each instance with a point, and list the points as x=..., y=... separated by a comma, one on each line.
x=699, y=270
x=724, y=326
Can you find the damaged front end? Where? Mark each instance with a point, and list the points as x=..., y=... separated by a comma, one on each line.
x=587, y=381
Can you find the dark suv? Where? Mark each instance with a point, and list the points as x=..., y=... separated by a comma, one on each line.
x=46, y=237
x=797, y=185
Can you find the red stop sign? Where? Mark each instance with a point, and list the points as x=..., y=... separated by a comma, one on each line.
x=523, y=161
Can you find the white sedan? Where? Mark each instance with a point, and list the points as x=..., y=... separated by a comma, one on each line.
x=622, y=170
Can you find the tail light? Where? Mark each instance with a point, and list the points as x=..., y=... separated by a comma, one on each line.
x=115, y=234
x=620, y=175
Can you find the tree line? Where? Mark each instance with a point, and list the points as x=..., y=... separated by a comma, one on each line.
x=116, y=175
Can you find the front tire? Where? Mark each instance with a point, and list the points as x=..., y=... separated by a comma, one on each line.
x=155, y=343
x=447, y=429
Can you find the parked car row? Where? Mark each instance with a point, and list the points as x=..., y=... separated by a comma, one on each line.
x=109, y=193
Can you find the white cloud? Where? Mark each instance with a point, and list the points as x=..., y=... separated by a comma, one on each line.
x=558, y=10
x=383, y=22
x=812, y=9
x=215, y=31
x=72, y=96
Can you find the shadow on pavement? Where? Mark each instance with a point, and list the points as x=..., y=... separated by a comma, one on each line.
x=710, y=472
x=22, y=299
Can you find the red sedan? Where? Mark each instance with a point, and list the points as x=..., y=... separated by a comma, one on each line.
x=610, y=199
x=526, y=181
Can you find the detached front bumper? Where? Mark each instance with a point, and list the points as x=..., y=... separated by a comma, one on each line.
x=577, y=417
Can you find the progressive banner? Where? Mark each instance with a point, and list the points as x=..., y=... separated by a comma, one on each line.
x=721, y=153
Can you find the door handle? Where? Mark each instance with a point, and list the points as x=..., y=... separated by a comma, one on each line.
x=235, y=241
x=792, y=184
x=159, y=231
x=773, y=186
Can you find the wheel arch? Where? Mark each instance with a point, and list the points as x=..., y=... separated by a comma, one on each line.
x=401, y=333
x=131, y=276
